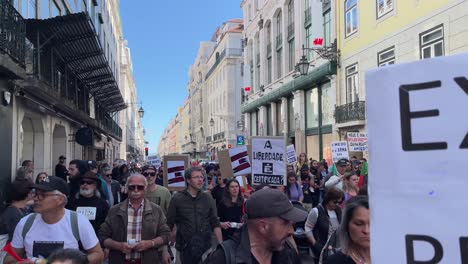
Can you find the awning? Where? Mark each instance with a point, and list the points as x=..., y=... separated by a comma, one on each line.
x=74, y=38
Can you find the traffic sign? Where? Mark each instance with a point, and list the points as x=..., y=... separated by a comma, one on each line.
x=240, y=140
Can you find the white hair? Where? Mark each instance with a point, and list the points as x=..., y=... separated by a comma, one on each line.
x=133, y=175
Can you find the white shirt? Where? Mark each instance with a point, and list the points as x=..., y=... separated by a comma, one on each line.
x=58, y=235
x=334, y=181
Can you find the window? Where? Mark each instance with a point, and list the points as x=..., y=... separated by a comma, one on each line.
x=352, y=84
x=292, y=57
x=383, y=7
x=312, y=109
x=308, y=43
x=327, y=28
x=279, y=46
x=291, y=119
x=257, y=73
x=269, y=60
x=386, y=57
x=269, y=121
x=328, y=103
x=432, y=42
x=351, y=17
x=279, y=119
x=253, y=123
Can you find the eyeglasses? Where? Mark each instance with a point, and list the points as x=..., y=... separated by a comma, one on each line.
x=135, y=187
x=337, y=202
x=147, y=174
x=83, y=182
x=41, y=196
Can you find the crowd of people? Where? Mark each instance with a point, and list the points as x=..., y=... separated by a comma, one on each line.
x=121, y=213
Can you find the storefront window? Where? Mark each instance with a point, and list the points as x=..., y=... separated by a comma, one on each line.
x=312, y=108
x=269, y=123
x=328, y=104
x=291, y=120
x=279, y=119
x=253, y=123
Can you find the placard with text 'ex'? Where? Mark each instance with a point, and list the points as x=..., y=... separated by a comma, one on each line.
x=269, y=161
x=417, y=118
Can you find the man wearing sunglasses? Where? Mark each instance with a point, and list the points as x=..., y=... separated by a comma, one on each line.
x=88, y=201
x=135, y=231
x=113, y=186
x=53, y=227
x=159, y=195
x=337, y=180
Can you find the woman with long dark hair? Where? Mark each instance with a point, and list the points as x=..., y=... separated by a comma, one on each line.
x=354, y=234
x=230, y=209
x=294, y=189
x=323, y=221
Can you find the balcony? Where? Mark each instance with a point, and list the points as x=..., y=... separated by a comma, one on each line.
x=220, y=57
x=279, y=42
x=307, y=17
x=291, y=31
x=352, y=112
x=13, y=33
x=219, y=136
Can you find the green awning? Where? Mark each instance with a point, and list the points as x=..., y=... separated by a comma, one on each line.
x=314, y=78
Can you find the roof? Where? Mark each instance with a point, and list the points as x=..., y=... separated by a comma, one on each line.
x=74, y=38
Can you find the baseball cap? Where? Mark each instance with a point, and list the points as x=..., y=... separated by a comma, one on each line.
x=62, y=157
x=341, y=162
x=92, y=164
x=267, y=203
x=53, y=183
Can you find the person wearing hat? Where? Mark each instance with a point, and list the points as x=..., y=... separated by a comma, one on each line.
x=88, y=200
x=337, y=180
x=265, y=236
x=53, y=227
x=60, y=169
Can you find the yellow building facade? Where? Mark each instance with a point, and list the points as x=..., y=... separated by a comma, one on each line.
x=376, y=33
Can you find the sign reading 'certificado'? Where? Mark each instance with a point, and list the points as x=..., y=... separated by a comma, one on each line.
x=268, y=161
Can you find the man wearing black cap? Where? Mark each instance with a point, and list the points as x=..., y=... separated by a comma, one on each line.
x=337, y=180
x=270, y=219
x=89, y=202
x=53, y=227
x=60, y=170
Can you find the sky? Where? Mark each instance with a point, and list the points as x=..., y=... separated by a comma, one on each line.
x=164, y=37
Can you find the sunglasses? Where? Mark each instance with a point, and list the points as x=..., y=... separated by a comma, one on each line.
x=134, y=187
x=87, y=182
x=337, y=202
x=147, y=174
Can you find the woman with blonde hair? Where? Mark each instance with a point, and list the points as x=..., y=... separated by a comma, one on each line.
x=350, y=186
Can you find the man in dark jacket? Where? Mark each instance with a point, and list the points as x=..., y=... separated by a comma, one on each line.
x=270, y=218
x=194, y=213
x=60, y=169
x=135, y=231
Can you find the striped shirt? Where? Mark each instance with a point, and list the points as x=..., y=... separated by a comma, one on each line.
x=134, y=226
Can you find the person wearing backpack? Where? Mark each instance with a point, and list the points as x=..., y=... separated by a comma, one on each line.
x=323, y=221
x=265, y=236
x=53, y=227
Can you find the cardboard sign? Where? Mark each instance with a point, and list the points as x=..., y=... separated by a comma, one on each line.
x=174, y=168
x=291, y=154
x=417, y=123
x=339, y=150
x=154, y=160
x=268, y=161
x=357, y=142
x=88, y=212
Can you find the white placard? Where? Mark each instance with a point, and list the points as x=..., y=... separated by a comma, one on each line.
x=268, y=161
x=291, y=154
x=88, y=212
x=417, y=122
x=357, y=142
x=240, y=161
x=154, y=160
x=175, y=173
x=339, y=150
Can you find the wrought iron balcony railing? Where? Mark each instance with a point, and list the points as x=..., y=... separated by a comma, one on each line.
x=13, y=32
x=350, y=112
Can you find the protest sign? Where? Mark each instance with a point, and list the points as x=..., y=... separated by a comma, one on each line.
x=174, y=167
x=417, y=124
x=357, y=142
x=339, y=150
x=234, y=162
x=268, y=161
x=154, y=160
x=291, y=154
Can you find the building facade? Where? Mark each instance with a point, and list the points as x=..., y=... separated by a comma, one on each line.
x=281, y=101
x=59, y=84
x=376, y=33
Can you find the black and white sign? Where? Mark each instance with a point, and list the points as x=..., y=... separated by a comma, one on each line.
x=88, y=212
x=417, y=124
x=339, y=150
x=268, y=161
x=291, y=153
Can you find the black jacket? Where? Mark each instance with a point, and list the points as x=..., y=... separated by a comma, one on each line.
x=101, y=209
x=322, y=226
x=242, y=254
x=192, y=215
x=61, y=171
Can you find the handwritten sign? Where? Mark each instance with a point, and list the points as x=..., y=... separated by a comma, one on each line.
x=291, y=154
x=88, y=212
x=357, y=142
x=339, y=150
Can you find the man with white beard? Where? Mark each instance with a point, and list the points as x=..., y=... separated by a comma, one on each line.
x=89, y=202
